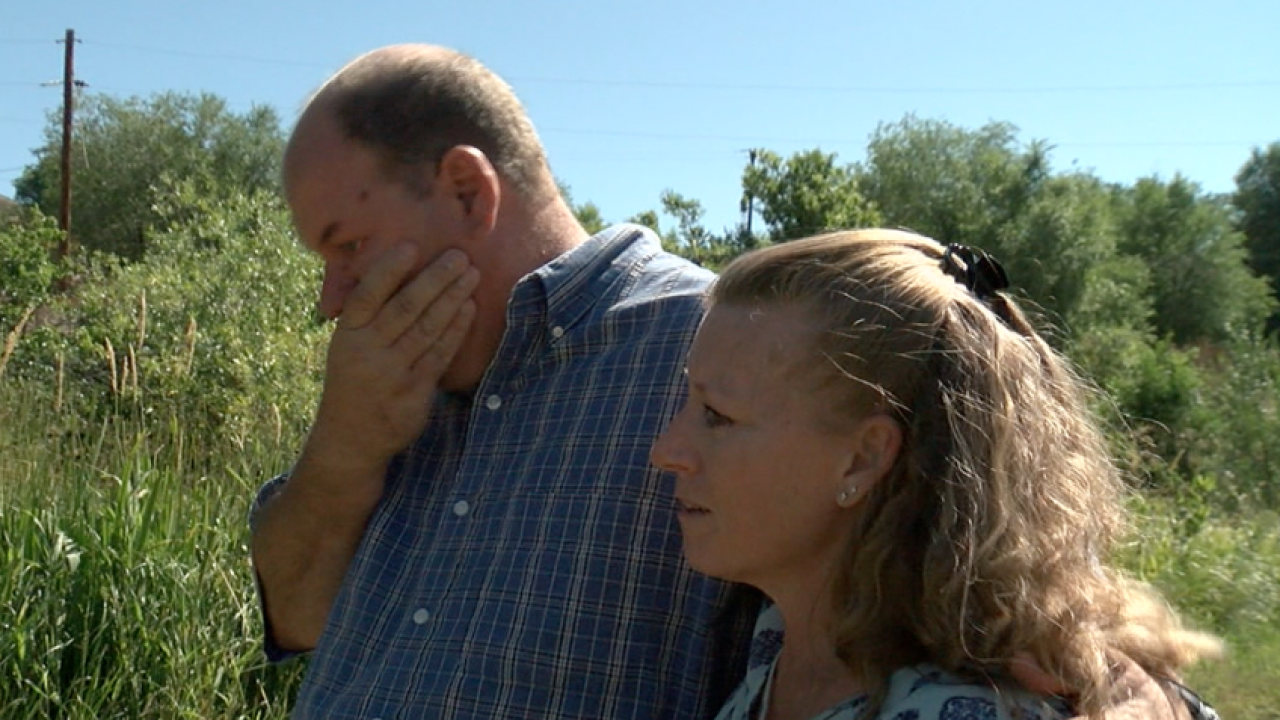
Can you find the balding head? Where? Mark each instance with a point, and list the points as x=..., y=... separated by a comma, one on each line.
x=411, y=103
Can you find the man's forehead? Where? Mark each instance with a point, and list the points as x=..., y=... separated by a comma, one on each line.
x=316, y=135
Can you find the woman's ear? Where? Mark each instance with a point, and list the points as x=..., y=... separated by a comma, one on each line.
x=471, y=182
x=877, y=440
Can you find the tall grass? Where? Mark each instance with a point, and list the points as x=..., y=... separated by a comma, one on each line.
x=127, y=591
x=1223, y=574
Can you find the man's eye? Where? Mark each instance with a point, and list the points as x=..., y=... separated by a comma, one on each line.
x=350, y=248
x=712, y=418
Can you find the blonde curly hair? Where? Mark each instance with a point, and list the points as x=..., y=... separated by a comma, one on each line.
x=989, y=537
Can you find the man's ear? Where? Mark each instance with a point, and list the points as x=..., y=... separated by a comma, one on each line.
x=468, y=179
x=876, y=442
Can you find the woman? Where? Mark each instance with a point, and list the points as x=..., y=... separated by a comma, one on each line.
x=877, y=439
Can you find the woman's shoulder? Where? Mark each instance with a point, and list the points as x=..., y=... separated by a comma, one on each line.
x=926, y=692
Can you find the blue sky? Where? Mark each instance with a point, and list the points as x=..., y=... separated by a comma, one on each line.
x=633, y=98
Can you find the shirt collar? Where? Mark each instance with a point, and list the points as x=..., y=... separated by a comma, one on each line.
x=572, y=284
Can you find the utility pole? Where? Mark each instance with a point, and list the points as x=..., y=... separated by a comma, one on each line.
x=68, y=110
x=748, y=206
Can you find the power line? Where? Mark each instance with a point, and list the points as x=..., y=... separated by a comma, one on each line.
x=126, y=91
x=873, y=89
x=1160, y=143
x=682, y=136
x=762, y=87
x=205, y=56
x=845, y=141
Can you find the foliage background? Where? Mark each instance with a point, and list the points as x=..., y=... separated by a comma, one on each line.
x=152, y=380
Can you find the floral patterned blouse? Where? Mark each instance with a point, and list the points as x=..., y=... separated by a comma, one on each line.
x=919, y=692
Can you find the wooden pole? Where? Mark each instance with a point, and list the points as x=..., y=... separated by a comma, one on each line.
x=68, y=109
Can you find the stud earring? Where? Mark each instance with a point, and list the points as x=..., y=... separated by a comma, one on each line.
x=846, y=495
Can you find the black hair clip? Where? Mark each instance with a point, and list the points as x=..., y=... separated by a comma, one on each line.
x=982, y=274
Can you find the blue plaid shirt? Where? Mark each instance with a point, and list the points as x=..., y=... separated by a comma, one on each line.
x=525, y=560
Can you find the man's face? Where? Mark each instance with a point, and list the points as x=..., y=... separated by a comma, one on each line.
x=349, y=212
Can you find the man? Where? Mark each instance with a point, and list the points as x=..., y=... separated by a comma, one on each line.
x=472, y=528
x=519, y=558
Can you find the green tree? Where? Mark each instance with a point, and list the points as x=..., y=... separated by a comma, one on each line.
x=690, y=236
x=953, y=184
x=1060, y=246
x=647, y=218
x=589, y=216
x=805, y=194
x=1257, y=198
x=1056, y=234
x=125, y=148
x=652, y=220
x=1201, y=287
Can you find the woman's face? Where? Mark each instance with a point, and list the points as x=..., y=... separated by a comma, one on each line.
x=757, y=473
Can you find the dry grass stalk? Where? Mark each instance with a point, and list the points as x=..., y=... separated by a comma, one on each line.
x=190, y=342
x=133, y=371
x=111, y=365
x=58, y=370
x=11, y=340
x=142, y=318
x=278, y=420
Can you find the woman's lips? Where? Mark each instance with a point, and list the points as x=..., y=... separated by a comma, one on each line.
x=686, y=507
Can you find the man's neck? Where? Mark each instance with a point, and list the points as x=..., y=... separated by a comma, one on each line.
x=529, y=235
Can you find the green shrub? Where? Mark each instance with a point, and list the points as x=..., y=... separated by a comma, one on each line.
x=1223, y=575
x=1240, y=440
x=215, y=326
x=27, y=268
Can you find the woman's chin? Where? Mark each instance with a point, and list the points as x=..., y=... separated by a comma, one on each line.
x=699, y=560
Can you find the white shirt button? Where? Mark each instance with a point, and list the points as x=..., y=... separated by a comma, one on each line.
x=557, y=332
x=421, y=616
x=493, y=402
x=461, y=508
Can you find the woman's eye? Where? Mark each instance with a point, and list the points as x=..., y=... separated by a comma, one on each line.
x=350, y=248
x=713, y=418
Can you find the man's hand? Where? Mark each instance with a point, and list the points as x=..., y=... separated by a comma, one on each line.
x=398, y=332
x=1137, y=695
x=396, y=336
